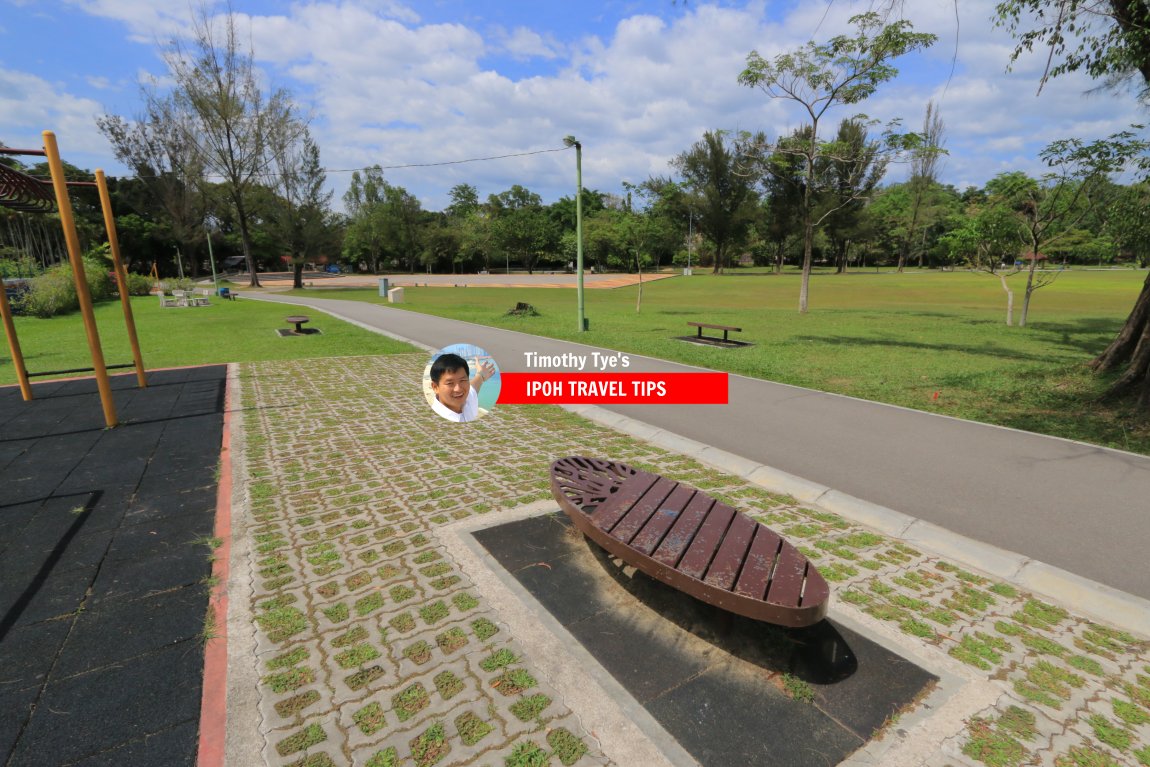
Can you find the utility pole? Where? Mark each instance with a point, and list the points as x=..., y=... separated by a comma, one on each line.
x=570, y=141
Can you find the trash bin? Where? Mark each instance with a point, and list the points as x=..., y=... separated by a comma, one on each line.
x=383, y=287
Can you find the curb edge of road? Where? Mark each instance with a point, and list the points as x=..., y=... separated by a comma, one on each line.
x=1083, y=596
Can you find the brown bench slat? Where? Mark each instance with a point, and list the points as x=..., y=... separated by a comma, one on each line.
x=612, y=510
x=702, y=549
x=671, y=550
x=756, y=573
x=641, y=511
x=815, y=588
x=728, y=562
x=687, y=539
x=714, y=327
x=787, y=582
x=657, y=526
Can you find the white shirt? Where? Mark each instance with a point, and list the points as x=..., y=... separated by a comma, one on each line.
x=470, y=408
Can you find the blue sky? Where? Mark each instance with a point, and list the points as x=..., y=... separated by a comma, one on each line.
x=637, y=81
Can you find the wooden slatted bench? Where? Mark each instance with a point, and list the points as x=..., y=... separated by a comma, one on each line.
x=690, y=541
x=708, y=326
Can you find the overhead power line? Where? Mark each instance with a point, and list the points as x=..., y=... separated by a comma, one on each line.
x=448, y=162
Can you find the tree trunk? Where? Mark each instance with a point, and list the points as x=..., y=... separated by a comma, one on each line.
x=1136, y=379
x=246, y=242
x=297, y=275
x=779, y=257
x=808, y=238
x=1029, y=289
x=1121, y=349
x=639, y=300
x=1009, y=301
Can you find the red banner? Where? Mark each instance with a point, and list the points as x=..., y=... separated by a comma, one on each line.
x=613, y=389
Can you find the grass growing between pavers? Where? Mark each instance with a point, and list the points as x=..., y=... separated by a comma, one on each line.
x=416, y=669
x=891, y=338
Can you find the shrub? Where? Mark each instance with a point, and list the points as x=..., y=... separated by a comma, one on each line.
x=54, y=292
x=14, y=264
x=139, y=285
x=101, y=285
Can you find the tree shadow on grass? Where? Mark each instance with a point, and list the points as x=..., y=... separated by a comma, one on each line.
x=899, y=343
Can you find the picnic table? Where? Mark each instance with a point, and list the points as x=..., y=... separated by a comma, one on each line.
x=298, y=320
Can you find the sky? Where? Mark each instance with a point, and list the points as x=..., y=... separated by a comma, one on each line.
x=635, y=81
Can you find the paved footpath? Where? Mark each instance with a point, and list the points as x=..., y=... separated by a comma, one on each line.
x=1077, y=507
x=361, y=632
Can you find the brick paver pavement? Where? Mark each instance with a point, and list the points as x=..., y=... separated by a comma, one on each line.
x=374, y=648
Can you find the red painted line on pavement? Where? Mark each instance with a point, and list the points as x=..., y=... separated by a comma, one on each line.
x=214, y=700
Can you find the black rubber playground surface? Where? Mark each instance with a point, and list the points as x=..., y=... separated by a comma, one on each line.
x=713, y=681
x=103, y=561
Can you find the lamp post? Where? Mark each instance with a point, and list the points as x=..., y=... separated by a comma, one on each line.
x=212, y=259
x=570, y=141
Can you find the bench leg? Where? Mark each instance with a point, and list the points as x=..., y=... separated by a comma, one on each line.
x=724, y=336
x=700, y=333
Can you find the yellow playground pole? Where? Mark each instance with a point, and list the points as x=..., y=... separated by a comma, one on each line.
x=14, y=346
x=68, y=224
x=121, y=276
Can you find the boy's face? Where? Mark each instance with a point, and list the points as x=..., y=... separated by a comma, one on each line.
x=452, y=389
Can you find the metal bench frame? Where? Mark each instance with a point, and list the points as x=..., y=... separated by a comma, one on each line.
x=724, y=328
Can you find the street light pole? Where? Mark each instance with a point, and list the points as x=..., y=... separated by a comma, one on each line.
x=212, y=259
x=570, y=141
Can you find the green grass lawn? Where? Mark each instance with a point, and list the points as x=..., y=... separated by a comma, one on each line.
x=225, y=331
x=886, y=337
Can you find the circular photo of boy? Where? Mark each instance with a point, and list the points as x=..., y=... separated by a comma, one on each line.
x=461, y=382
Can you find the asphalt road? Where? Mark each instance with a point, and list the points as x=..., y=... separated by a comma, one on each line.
x=1079, y=507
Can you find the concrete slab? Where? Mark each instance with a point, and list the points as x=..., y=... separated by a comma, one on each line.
x=708, y=678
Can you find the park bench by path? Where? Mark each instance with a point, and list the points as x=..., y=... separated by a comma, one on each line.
x=690, y=541
x=725, y=328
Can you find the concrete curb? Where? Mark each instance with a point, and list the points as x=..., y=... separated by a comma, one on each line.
x=1080, y=595
x=243, y=675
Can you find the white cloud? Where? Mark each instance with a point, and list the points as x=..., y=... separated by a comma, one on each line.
x=523, y=43
x=147, y=20
x=30, y=105
x=386, y=87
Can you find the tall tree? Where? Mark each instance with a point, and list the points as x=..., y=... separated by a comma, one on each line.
x=159, y=147
x=365, y=236
x=1109, y=39
x=719, y=181
x=851, y=175
x=924, y=167
x=520, y=225
x=1052, y=207
x=216, y=80
x=402, y=217
x=301, y=215
x=818, y=76
x=987, y=239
